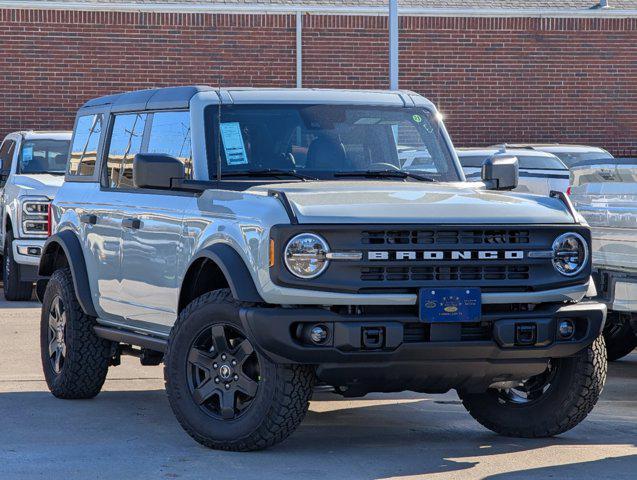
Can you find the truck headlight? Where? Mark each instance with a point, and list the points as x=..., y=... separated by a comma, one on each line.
x=570, y=254
x=305, y=255
x=34, y=216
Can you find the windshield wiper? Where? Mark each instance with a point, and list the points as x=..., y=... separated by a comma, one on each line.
x=385, y=174
x=268, y=172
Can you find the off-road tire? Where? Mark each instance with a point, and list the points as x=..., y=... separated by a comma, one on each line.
x=87, y=356
x=282, y=397
x=573, y=393
x=619, y=336
x=14, y=289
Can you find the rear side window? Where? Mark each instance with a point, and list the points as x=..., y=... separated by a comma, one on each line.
x=170, y=134
x=532, y=162
x=6, y=154
x=85, y=143
x=125, y=143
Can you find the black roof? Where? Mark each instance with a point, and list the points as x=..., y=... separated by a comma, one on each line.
x=152, y=99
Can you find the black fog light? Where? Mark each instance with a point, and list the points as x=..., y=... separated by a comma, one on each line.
x=566, y=329
x=319, y=334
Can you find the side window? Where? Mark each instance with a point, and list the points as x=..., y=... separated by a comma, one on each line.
x=126, y=142
x=6, y=155
x=85, y=143
x=170, y=134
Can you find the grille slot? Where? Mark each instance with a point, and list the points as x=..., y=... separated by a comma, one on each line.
x=445, y=237
x=469, y=332
x=445, y=273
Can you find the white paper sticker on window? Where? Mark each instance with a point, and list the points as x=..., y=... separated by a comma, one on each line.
x=233, y=144
x=27, y=153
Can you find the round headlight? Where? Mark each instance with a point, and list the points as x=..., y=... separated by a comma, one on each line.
x=306, y=255
x=570, y=254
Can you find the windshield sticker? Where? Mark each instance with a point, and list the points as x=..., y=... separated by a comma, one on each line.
x=417, y=118
x=428, y=126
x=233, y=144
x=27, y=153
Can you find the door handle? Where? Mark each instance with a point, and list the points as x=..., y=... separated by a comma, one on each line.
x=134, y=223
x=88, y=218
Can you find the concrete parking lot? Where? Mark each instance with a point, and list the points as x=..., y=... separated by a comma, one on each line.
x=128, y=431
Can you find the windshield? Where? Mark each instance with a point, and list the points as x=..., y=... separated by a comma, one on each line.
x=571, y=158
x=527, y=162
x=43, y=156
x=321, y=141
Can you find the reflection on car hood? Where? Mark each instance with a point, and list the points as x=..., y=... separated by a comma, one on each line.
x=40, y=183
x=415, y=202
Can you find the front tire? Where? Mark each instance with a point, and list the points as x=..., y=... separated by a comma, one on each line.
x=548, y=404
x=224, y=393
x=619, y=335
x=74, y=359
x=14, y=289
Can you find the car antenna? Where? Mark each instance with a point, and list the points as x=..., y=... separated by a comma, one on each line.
x=218, y=142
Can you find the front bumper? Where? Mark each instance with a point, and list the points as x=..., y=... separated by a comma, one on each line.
x=406, y=354
x=28, y=251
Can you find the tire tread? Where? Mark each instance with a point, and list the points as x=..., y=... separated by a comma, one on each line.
x=88, y=356
x=590, y=376
x=292, y=392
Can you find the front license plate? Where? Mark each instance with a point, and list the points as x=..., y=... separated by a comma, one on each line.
x=441, y=305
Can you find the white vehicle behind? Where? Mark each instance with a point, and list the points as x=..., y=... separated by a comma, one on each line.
x=32, y=170
x=605, y=193
x=570, y=155
x=540, y=172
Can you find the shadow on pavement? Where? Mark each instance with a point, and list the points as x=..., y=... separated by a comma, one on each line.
x=617, y=468
x=135, y=432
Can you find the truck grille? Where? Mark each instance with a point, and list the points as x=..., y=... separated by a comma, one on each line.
x=405, y=258
x=444, y=273
x=444, y=237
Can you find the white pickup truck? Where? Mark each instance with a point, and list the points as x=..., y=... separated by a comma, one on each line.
x=605, y=193
x=32, y=166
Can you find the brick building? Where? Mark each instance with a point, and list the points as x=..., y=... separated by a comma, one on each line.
x=499, y=70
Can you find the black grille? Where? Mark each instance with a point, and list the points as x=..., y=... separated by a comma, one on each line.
x=444, y=273
x=406, y=257
x=445, y=237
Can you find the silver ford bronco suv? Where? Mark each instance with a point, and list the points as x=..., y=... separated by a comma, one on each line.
x=262, y=241
x=32, y=166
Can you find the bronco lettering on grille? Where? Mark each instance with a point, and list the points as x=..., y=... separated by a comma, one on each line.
x=446, y=255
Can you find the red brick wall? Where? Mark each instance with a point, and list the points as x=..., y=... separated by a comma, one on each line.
x=522, y=79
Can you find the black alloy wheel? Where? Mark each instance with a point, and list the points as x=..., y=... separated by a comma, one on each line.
x=223, y=372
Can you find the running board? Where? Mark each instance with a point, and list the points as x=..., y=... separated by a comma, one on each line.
x=131, y=338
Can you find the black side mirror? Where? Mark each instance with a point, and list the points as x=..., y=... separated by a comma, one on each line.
x=500, y=172
x=156, y=170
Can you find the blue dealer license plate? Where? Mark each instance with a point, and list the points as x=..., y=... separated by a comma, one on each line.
x=441, y=305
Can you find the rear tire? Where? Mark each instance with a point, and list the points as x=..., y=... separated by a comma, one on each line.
x=619, y=335
x=14, y=289
x=74, y=359
x=560, y=399
x=226, y=395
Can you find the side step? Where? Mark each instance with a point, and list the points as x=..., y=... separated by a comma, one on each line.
x=131, y=338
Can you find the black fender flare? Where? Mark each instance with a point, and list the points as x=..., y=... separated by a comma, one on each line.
x=70, y=245
x=234, y=269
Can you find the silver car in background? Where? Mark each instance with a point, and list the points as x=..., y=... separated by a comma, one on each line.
x=540, y=172
x=605, y=193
